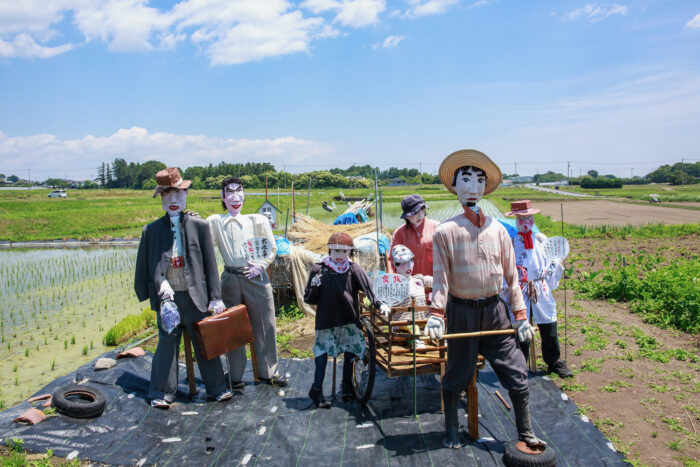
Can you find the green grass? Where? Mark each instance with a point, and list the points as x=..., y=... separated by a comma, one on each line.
x=666, y=193
x=129, y=327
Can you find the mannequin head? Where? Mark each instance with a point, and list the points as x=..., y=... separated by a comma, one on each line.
x=403, y=259
x=417, y=219
x=173, y=200
x=469, y=183
x=524, y=223
x=339, y=255
x=413, y=207
x=232, y=195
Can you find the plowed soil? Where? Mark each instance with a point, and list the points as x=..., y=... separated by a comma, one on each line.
x=606, y=212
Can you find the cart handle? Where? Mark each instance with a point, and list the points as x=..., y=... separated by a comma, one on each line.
x=474, y=334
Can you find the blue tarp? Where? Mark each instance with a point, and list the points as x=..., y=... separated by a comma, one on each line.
x=347, y=218
x=283, y=246
x=509, y=224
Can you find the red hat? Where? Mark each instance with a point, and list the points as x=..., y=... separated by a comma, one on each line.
x=170, y=178
x=522, y=208
x=340, y=241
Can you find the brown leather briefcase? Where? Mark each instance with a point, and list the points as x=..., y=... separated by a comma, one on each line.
x=224, y=332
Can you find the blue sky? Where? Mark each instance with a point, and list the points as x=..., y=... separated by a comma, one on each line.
x=316, y=84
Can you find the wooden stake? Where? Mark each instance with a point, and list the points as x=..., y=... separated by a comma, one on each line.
x=188, y=363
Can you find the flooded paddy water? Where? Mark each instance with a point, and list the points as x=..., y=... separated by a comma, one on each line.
x=55, y=307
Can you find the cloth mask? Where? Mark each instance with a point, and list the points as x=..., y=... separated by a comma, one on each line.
x=173, y=201
x=233, y=198
x=470, y=186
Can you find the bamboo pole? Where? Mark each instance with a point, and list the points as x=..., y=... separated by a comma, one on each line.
x=474, y=334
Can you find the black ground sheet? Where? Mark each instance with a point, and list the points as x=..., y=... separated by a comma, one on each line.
x=262, y=425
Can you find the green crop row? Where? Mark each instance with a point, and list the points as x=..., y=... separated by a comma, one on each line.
x=129, y=327
x=668, y=296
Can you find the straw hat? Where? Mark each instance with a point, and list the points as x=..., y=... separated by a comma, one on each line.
x=474, y=158
x=170, y=178
x=522, y=208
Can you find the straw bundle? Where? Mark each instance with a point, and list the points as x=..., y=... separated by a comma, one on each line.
x=314, y=234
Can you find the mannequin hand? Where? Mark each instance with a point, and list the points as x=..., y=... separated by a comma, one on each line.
x=253, y=270
x=216, y=307
x=166, y=292
x=386, y=310
x=316, y=281
x=525, y=331
x=192, y=213
x=435, y=327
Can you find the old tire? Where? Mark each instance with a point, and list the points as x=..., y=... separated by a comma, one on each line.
x=513, y=457
x=79, y=401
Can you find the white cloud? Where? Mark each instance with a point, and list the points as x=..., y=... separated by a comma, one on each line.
x=22, y=45
x=596, y=12
x=353, y=13
x=77, y=157
x=392, y=41
x=430, y=7
x=694, y=23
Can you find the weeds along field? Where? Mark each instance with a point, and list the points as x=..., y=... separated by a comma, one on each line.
x=57, y=305
x=665, y=192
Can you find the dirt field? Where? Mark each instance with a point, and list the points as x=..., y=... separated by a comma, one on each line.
x=605, y=212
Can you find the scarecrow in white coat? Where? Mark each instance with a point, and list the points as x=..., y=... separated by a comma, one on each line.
x=472, y=254
x=540, y=278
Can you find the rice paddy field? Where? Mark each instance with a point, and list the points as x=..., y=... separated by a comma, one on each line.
x=56, y=306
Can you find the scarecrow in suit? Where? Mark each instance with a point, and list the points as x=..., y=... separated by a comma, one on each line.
x=472, y=254
x=176, y=261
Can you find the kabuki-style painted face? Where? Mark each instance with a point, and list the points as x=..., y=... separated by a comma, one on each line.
x=233, y=198
x=339, y=256
x=470, y=185
x=524, y=223
x=417, y=219
x=405, y=269
x=173, y=200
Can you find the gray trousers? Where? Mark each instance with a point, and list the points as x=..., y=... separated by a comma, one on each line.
x=501, y=351
x=164, y=367
x=256, y=295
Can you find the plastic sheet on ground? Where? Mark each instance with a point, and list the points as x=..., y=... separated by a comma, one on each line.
x=263, y=426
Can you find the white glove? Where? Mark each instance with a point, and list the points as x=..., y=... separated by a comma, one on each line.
x=386, y=310
x=435, y=327
x=216, y=307
x=253, y=270
x=166, y=292
x=316, y=281
x=525, y=331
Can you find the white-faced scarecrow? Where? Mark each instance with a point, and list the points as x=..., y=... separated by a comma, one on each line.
x=248, y=248
x=176, y=269
x=540, y=276
x=472, y=255
x=333, y=287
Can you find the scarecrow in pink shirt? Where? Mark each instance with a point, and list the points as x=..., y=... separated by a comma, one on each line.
x=472, y=255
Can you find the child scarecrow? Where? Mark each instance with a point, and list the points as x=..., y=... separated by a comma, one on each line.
x=333, y=286
x=403, y=258
x=416, y=235
x=247, y=282
x=472, y=255
x=176, y=261
x=542, y=278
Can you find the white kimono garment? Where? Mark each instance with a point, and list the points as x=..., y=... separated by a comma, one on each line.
x=545, y=278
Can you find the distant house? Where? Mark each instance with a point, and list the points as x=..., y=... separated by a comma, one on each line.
x=270, y=211
x=355, y=177
x=506, y=182
x=399, y=182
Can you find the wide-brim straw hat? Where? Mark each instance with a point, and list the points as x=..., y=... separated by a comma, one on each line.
x=473, y=158
x=170, y=178
x=522, y=207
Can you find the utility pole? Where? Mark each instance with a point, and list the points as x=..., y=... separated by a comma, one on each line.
x=284, y=169
x=631, y=173
x=29, y=178
x=568, y=174
x=516, y=168
x=420, y=173
x=682, y=175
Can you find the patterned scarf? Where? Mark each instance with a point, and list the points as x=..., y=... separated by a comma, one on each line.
x=527, y=239
x=339, y=268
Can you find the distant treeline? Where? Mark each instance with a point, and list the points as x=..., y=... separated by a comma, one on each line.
x=122, y=174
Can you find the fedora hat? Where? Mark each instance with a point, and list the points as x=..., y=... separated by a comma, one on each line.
x=170, y=178
x=522, y=208
x=474, y=158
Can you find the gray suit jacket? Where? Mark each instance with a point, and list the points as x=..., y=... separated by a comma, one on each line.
x=155, y=250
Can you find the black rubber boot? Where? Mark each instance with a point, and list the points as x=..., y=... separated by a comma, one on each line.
x=347, y=391
x=521, y=408
x=316, y=396
x=452, y=437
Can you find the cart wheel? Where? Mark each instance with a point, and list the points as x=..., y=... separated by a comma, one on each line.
x=363, y=371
